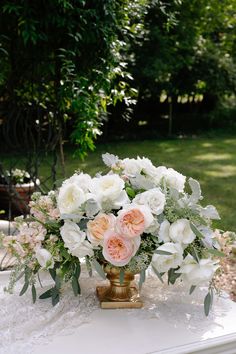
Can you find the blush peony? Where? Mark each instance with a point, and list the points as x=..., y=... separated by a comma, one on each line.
x=133, y=220
x=96, y=228
x=119, y=250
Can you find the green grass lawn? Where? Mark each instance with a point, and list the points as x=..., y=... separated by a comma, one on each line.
x=210, y=160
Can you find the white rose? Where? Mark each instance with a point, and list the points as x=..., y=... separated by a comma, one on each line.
x=109, y=191
x=44, y=258
x=161, y=171
x=174, y=179
x=70, y=198
x=82, y=180
x=146, y=166
x=164, y=231
x=131, y=167
x=153, y=198
x=196, y=273
x=75, y=241
x=165, y=262
x=181, y=232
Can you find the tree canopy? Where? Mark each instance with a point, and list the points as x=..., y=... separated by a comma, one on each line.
x=66, y=60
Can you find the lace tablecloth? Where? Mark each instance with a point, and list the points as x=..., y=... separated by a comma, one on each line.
x=25, y=327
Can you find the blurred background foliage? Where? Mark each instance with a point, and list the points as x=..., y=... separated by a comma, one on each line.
x=145, y=68
x=73, y=71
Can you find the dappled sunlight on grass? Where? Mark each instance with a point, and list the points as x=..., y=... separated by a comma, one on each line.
x=206, y=145
x=222, y=171
x=213, y=157
x=230, y=141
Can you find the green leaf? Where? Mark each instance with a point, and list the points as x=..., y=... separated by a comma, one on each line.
x=75, y=286
x=196, y=231
x=28, y=273
x=172, y=276
x=77, y=270
x=216, y=252
x=157, y=273
x=46, y=294
x=142, y=278
x=195, y=255
x=53, y=273
x=193, y=287
x=207, y=303
x=99, y=269
x=20, y=276
x=55, y=296
x=130, y=192
x=89, y=267
x=34, y=295
x=24, y=289
x=57, y=281
x=122, y=276
x=164, y=253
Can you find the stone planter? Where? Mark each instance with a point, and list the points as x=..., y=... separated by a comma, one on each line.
x=16, y=198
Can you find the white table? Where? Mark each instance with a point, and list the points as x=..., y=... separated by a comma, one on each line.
x=170, y=324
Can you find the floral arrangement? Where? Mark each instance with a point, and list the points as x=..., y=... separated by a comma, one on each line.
x=17, y=176
x=133, y=216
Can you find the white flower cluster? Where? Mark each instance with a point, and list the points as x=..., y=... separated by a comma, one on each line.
x=135, y=215
x=136, y=184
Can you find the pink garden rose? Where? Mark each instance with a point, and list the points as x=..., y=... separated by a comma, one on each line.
x=119, y=250
x=133, y=220
x=96, y=228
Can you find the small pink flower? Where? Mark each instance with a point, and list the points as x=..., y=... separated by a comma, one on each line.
x=118, y=250
x=54, y=213
x=130, y=223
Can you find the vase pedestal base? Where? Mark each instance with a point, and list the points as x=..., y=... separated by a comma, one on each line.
x=106, y=303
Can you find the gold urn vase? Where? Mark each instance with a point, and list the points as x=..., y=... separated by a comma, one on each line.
x=117, y=294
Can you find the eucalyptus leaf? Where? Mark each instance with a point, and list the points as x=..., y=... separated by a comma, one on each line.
x=34, y=295
x=83, y=223
x=77, y=270
x=20, y=276
x=122, y=276
x=57, y=281
x=46, y=294
x=75, y=286
x=207, y=303
x=24, y=289
x=196, y=231
x=98, y=269
x=195, y=255
x=157, y=274
x=109, y=159
x=55, y=296
x=216, y=252
x=53, y=273
x=193, y=287
x=142, y=278
x=89, y=267
x=164, y=253
x=196, y=190
x=210, y=212
x=172, y=276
